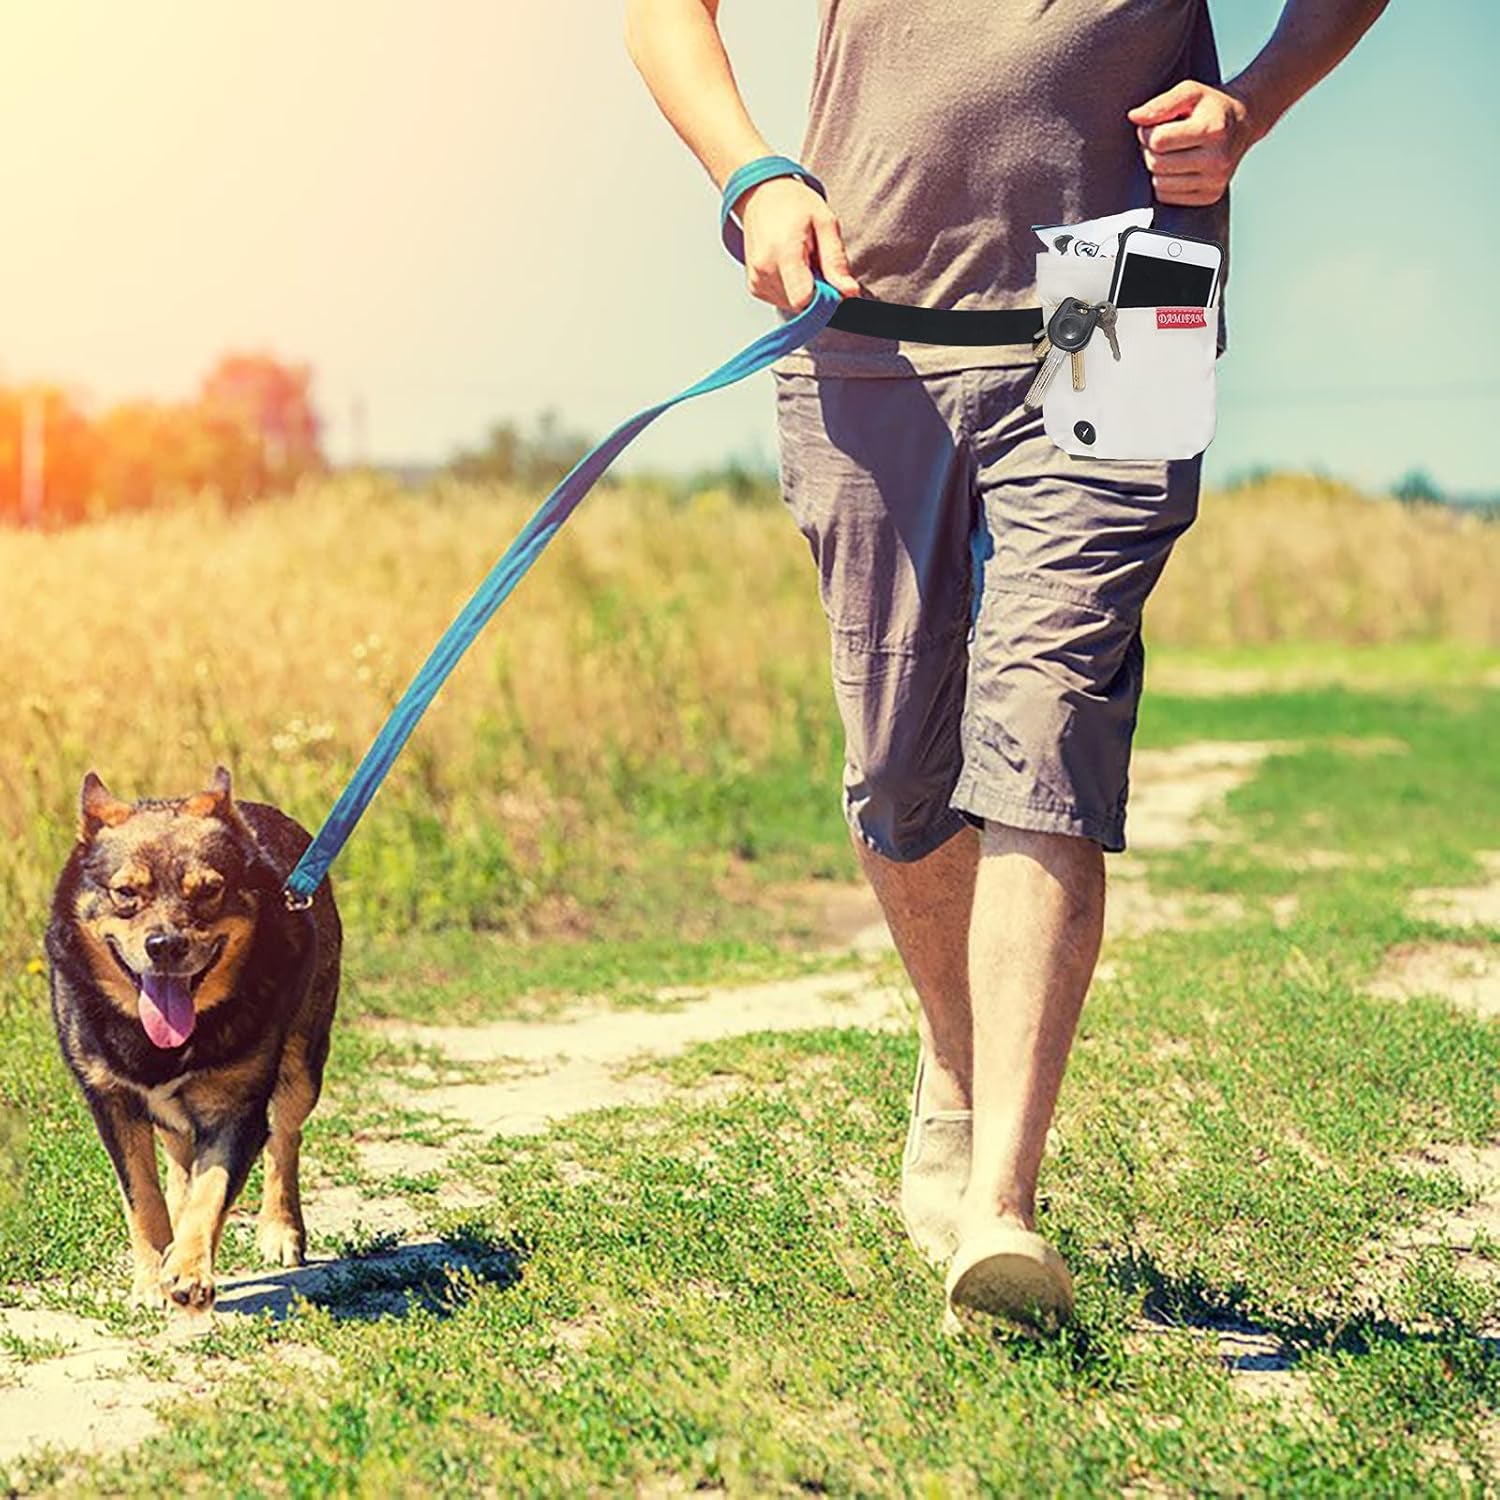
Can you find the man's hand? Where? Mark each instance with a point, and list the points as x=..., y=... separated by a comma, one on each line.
x=790, y=232
x=1192, y=138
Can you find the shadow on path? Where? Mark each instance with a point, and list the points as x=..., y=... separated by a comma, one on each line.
x=1251, y=1343
x=436, y=1275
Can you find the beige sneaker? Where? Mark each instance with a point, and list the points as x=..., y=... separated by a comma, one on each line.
x=1005, y=1271
x=934, y=1173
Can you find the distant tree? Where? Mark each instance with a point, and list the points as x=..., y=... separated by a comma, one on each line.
x=151, y=454
x=535, y=460
x=1417, y=488
x=270, y=403
x=69, y=452
x=252, y=431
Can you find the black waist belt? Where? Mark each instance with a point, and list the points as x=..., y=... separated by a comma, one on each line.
x=868, y=315
x=934, y=325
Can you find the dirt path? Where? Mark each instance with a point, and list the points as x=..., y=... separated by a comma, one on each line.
x=86, y=1396
x=1466, y=976
x=583, y=1062
x=1467, y=906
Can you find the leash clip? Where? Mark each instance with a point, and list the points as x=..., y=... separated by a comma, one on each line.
x=295, y=902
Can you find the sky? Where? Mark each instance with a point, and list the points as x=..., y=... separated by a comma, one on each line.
x=467, y=210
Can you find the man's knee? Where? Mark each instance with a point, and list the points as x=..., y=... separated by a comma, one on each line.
x=1071, y=864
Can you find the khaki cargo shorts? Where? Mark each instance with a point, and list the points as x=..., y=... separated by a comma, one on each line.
x=984, y=593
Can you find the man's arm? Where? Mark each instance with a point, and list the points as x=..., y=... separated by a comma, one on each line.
x=1194, y=136
x=789, y=230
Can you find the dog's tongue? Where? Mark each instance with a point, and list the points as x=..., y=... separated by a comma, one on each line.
x=167, y=1009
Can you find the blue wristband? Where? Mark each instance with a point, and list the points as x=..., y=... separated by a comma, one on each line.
x=752, y=174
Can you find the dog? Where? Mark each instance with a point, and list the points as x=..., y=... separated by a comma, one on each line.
x=192, y=1005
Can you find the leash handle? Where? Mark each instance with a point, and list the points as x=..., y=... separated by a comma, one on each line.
x=752, y=174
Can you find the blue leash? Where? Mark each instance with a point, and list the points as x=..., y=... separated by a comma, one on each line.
x=529, y=544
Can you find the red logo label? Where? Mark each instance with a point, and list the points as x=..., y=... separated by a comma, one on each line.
x=1179, y=317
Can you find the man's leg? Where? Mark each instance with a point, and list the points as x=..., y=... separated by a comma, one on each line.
x=883, y=489
x=927, y=905
x=999, y=934
x=1055, y=672
x=1038, y=917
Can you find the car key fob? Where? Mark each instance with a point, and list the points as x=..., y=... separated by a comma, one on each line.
x=1072, y=325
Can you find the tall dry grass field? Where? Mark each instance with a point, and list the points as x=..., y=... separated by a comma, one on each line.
x=656, y=652
x=649, y=645
x=1297, y=558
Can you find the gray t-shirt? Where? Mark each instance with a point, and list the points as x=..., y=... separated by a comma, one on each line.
x=944, y=129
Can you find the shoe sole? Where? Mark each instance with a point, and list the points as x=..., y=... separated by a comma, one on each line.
x=1014, y=1275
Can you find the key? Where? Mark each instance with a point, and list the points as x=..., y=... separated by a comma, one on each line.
x=1105, y=315
x=1068, y=329
x=1052, y=359
x=1051, y=363
x=1072, y=325
x=1107, y=323
x=1038, y=387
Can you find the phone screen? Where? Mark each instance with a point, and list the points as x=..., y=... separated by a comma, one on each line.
x=1146, y=281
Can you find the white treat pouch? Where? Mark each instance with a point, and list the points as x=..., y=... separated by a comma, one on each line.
x=1157, y=401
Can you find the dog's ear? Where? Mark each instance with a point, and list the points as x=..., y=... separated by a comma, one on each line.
x=216, y=802
x=98, y=807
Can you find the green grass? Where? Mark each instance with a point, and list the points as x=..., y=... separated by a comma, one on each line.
x=22, y=1350
x=716, y=1291
x=1404, y=782
x=1419, y=664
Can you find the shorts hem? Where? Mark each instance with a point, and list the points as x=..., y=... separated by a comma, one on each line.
x=911, y=851
x=970, y=798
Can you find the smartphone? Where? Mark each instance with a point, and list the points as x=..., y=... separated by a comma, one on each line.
x=1155, y=269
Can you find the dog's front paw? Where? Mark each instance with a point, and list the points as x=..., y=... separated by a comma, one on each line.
x=282, y=1242
x=145, y=1285
x=187, y=1277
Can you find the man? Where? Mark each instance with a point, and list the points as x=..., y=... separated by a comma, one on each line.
x=984, y=590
